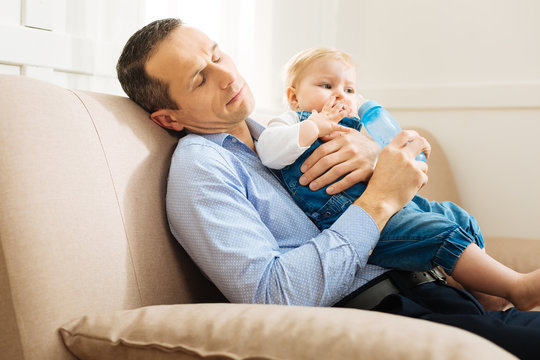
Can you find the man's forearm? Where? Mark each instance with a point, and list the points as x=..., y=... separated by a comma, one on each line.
x=379, y=211
x=396, y=178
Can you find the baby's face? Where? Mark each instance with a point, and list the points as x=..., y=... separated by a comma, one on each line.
x=323, y=79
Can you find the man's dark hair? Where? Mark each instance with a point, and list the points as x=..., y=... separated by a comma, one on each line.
x=150, y=93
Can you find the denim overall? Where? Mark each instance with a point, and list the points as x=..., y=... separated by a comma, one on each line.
x=423, y=235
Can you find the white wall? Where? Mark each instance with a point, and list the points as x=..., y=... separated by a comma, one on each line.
x=466, y=71
x=469, y=73
x=73, y=43
x=76, y=43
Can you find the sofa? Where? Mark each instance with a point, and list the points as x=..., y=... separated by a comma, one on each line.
x=89, y=269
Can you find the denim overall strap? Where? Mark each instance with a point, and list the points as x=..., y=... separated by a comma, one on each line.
x=319, y=206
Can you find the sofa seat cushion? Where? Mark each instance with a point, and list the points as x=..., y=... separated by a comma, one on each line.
x=236, y=331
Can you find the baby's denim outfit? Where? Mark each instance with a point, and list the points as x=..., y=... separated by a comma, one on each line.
x=424, y=234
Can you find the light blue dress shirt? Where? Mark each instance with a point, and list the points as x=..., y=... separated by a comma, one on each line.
x=243, y=230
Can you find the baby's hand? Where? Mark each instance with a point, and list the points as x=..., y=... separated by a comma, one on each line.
x=327, y=120
x=325, y=124
x=336, y=110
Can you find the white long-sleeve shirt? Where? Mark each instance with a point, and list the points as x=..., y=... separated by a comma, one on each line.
x=278, y=144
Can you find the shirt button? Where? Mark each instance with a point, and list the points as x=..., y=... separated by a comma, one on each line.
x=370, y=252
x=234, y=140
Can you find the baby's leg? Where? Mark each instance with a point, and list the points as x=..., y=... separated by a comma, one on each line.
x=418, y=241
x=453, y=213
x=476, y=270
x=469, y=224
x=489, y=302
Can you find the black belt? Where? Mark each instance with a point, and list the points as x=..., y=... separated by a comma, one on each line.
x=372, y=293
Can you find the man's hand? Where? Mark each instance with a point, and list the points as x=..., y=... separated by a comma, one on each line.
x=350, y=154
x=396, y=178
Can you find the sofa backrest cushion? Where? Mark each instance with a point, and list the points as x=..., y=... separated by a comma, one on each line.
x=82, y=220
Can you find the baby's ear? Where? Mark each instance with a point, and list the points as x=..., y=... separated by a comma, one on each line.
x=291, y=97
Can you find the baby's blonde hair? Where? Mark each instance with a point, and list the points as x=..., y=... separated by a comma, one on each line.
x=299, y=62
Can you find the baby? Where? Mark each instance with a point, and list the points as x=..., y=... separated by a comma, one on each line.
x=321, y=91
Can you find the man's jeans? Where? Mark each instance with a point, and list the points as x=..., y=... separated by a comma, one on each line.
x=421, y=236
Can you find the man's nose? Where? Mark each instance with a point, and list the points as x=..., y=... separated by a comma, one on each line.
x=226, y=77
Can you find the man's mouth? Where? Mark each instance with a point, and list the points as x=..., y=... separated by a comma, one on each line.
x=236, y=96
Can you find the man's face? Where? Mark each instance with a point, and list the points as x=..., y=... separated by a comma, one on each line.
x=204, y=82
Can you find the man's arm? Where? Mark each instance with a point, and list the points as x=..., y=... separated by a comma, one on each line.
x=397, y=177
x=392, y=184
x=253, y=242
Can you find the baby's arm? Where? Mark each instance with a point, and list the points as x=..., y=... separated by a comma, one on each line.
x=278, y=144
x=324, y=123
x=286, y=138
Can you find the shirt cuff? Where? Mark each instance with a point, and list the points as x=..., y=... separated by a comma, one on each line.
x=359, y=229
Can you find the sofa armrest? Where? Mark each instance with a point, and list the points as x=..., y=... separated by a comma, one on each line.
x=522, y=255
x=238, y=331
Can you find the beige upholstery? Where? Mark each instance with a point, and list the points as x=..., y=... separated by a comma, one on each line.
x=233, y=331
x=82, y=223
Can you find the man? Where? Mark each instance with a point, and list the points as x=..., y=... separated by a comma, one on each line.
x=235, y=220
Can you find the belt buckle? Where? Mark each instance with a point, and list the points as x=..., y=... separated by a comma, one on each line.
x=438, y=274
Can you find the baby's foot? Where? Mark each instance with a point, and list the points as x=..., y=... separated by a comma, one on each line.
x=527, y=291
x=491, y=302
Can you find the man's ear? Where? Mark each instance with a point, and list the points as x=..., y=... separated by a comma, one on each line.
x=167, y=118
x=291, y=97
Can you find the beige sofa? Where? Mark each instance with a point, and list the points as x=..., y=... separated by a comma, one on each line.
x=85, y=246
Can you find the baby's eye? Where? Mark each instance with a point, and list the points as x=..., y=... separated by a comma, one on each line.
x=350, y=91
x=326, y=86
x=216, y=58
